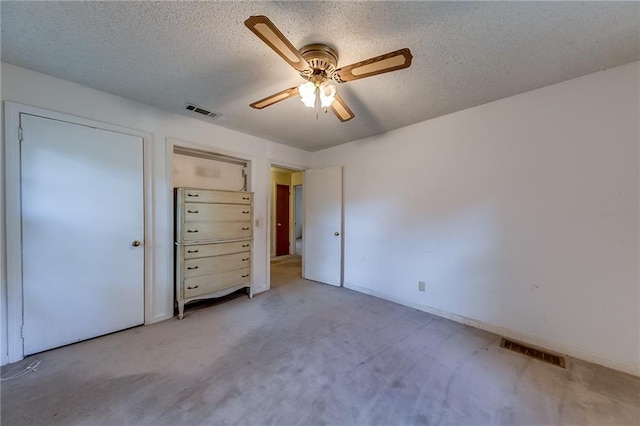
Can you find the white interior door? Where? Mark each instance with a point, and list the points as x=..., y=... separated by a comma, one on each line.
x=322, y=237
x=82, y=210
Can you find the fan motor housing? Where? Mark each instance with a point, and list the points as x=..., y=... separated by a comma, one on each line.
x=321, y=58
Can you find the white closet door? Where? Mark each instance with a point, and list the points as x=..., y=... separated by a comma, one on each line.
x=82, y=209
x=322, y=238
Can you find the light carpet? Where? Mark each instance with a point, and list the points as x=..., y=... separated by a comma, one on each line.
x=306, y=353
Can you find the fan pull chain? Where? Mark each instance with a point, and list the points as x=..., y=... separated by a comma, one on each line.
x=317, y=101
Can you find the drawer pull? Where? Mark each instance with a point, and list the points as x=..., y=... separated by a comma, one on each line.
x=193, y=195
x=245, y=259
x=192, y=288
x=192, y=230
x=192, y=251
x=245, y=229
x=245, y=198
x=192, y=267
x=245, y=276
x=192, y=211
x=245, y=245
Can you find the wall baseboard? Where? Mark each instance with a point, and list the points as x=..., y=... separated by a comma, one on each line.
x=258, y=290
x=162, y=317
x=559, y=348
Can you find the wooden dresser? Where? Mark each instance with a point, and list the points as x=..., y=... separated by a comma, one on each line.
x=214, y=236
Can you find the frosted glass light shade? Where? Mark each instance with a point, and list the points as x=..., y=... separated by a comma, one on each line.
x=307, y=93
x=327, y=94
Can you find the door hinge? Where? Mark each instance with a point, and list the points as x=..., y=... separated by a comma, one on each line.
x=22, y=331
x=20, y=133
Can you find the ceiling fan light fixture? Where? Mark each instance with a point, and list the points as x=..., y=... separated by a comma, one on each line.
x=307, y=93
x=309, y=102
x=327, y=94
x=311, y=94
x=317, y=64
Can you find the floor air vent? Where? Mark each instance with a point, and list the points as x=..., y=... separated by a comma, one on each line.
x=203, y=113
x=533, y=353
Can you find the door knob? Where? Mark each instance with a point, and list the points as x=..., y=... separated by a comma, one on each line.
x=336, y=234
x=279, y=224
x=136, y=243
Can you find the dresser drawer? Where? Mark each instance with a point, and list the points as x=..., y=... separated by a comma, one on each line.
x=215, y=264
x=204, y=231
x=206, y=250
x=207, y=196
x=194, y=212
x=197, y=286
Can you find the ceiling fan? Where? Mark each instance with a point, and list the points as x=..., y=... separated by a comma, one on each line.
x=317, y=63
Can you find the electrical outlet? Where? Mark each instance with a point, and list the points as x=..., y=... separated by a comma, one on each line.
x=420, y=285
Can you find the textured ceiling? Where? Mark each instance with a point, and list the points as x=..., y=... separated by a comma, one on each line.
x=465, y=54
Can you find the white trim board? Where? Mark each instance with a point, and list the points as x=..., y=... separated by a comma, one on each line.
x=13, y=228
x=505, y=332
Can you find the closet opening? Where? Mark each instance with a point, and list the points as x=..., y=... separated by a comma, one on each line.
x=213, y=229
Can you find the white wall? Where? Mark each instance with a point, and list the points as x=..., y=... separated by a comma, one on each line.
x=27, y=87
x=196, y=172
x=520, y=215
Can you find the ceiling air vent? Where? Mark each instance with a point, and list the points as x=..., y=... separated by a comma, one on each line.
x=533, y=353
x=201, y=112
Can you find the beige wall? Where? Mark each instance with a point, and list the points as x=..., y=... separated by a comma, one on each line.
x=296, y=178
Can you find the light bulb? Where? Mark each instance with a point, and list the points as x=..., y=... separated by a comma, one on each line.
x=327, y=94
x=307, y=93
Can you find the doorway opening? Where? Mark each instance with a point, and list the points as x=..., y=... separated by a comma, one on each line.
x=297, y=209
x=286, y=223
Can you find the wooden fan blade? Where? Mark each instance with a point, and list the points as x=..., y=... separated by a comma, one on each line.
x=271, y=35
x=341, y=110
x=273, y=99
x=380, y=64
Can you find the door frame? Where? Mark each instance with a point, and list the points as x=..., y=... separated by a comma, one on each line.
x=13, y=216
x=269, y=185
x=297, y=210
